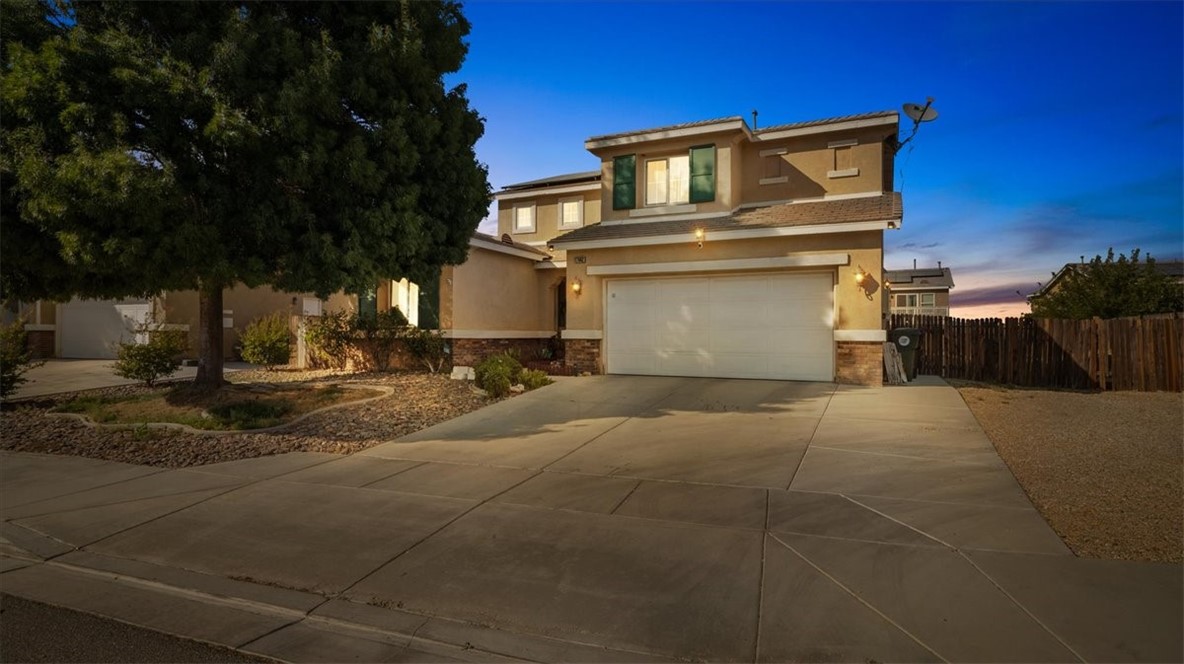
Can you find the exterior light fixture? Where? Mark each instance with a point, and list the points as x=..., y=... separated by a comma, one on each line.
x=699, y=237
x=860, y=275
x=577, y=286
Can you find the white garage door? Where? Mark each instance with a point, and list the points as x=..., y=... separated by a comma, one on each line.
x=776, y=326
x=91, y=329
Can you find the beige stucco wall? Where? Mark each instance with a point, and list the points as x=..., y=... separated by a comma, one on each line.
x=546, y=222
x=493, y=291
x=725, y=171
x=854, y=310
x=246, y=305
x=808, y=161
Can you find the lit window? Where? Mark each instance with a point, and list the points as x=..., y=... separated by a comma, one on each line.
x=668, y=181
x=571, y=213
x=524, y=219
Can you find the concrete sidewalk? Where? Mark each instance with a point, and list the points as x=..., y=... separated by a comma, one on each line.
x=599, y=519
x=60, y=376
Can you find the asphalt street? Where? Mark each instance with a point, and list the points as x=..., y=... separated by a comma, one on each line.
x=35, y=632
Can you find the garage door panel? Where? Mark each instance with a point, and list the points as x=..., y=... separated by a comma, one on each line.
x=749, y=326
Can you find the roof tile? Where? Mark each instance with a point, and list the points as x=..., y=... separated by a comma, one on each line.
x=870, y=208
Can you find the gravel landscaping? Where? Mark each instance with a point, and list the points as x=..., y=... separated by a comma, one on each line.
x=419, y=401
x=1103, y=468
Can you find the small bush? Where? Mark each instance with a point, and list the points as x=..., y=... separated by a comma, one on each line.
x=329, y=338
x=533, y=379
x=377, y=336
x=15, y=358
x=250, y=414
x=427, y=346
x=502, y=363
x=497, y=381
x=148, y=363
x=265, y=341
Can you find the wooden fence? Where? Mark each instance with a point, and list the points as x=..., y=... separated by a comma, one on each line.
x=1143, y=354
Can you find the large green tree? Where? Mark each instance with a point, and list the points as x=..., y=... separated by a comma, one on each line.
x=159, y=146
x=1111, y=288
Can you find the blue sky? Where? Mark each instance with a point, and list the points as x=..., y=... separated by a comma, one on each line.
x=1061, y=131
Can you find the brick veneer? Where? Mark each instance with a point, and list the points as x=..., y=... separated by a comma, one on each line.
x=469, y=352
x=40, y=343
x=582, y=354
x=860, y=363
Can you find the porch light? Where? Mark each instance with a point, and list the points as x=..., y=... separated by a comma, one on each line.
x=860, y=275
x=576, y=286
x=699, y=237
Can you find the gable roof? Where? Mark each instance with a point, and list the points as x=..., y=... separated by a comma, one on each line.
x=1174, y=269
x=885, y=207
x=567, y=178
x=514, y=248
x=814, y=123
x=925, y=278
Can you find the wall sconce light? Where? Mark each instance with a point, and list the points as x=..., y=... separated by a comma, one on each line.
x=577, y=286
x=699, y=236
x=860, y=275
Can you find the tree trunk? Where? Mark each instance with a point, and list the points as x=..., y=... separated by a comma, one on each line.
x=209, y=321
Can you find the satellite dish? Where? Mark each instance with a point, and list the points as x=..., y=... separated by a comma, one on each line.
x=919, y=113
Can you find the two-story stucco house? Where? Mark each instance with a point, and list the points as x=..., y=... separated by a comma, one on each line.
x=923, y=291
x=701, y=249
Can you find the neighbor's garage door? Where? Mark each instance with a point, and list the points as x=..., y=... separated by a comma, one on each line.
x=776, y=326
x=92, y=328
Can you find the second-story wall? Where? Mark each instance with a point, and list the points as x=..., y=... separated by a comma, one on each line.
x=726, y=168
x=546, y=215
x=816, y=165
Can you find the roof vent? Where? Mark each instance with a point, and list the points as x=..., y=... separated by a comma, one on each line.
x=506, y=239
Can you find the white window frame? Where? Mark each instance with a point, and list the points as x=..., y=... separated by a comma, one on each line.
x=910, y=300
x=524, y=229
x=579, y=222
x=932, y=300
x=669, y=200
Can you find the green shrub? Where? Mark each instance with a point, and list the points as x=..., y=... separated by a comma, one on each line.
x=377, y=336
x=15, y=358
x=497, y=381
x=427, y=346
x=329, y=338
x=502, y=363
x=533, y=379
x=265, y=341
x=149, y=362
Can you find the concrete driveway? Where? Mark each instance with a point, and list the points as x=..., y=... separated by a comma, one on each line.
x=600, y=519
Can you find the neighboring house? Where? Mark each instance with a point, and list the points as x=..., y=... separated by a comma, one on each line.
x=701, y=249
x=1174, y=269
x=92, y=329
x=924, y=291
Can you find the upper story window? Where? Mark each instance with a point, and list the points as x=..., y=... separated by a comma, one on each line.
x=524, y=218
x=571, y=213
x=912, y=300
x=668, y=181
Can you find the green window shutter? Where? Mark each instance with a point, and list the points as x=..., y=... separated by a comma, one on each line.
x=625, y=182
x=703, y=174
x=368, y=304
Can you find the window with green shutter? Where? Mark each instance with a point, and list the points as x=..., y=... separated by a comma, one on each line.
x=625, y=182
x=368, y=304
x=703, y=174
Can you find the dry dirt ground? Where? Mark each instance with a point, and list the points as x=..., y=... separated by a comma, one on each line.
x=1105, y=469
x=419, y=401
